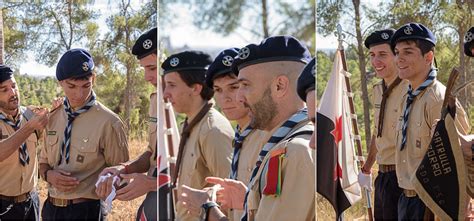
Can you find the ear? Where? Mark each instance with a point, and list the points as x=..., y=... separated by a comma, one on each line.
x=429, y=57
x=196, y=89
x=280, y=86
x=93, y=79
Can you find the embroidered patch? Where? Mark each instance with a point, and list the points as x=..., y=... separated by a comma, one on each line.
x=153, y=119
x=51, y=132
x=80, y=158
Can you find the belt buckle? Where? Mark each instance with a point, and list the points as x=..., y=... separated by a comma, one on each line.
x=409, y=193
x=59, y=202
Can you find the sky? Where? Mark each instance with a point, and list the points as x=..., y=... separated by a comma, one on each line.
x=31, y=67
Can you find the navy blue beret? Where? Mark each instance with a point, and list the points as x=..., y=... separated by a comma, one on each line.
x=186, y=61
x=412, y=31
x=469, y=42
x=221, y=65
x=307, y=79
x=5, y=73
x=75, y=63
x=145, y=44
x=379, y=37
x=275, y=48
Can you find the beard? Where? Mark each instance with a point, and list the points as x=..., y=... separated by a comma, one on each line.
x=263, y=111
x=11, y=104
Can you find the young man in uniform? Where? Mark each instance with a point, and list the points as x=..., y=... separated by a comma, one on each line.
x=18, y=143
x=413, y=45
x=206, y=138
x=145, y=48
x=387, y=95
x=282, y=182
x=248, y=141
x=82, y=138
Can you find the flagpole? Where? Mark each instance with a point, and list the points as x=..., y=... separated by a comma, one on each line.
x=340, y=39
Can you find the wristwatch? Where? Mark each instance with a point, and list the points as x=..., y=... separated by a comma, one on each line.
x=205, y=209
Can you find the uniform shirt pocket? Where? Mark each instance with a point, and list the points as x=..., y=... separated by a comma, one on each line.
x=423, y=138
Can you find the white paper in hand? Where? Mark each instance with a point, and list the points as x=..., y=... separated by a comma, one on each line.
x=111, y=196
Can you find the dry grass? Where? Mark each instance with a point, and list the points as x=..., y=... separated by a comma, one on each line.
x=120, y=210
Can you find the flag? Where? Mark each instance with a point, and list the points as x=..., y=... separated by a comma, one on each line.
x=165, y=199
x=336, y=159
x=440, y=180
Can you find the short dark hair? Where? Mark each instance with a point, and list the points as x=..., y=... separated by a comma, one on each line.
x=228, y=74
x=191, y=77
x=81, y=78
x=424, y=46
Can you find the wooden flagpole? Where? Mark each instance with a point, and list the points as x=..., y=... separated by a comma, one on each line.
x=340, y=39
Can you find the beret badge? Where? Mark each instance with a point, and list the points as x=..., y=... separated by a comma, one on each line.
x=408, y=30
x=85, y=66
x=469, y=37
x=147, y=44
x=174, y=62
x=227, y=60
x=244, y=53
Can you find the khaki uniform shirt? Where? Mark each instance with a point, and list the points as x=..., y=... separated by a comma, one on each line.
x=251, y=147
x=98, y=140
x=386, y=144
x=16, y=179
x=207, y=152
x=297, y=199
x=425, y=109
x=152, y=145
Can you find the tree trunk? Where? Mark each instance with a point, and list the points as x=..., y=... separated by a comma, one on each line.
x=265, y=19
x=363, y=79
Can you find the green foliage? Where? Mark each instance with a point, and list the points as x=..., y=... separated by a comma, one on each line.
x=47, y=29
x=38, y=92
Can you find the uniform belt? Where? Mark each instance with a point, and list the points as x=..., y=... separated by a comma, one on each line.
x=409, y=193
x=16, y=199
x=386, y=168
x=67, y=202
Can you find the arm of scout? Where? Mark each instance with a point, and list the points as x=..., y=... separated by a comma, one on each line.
x=370, y=157
x=139, y=165
x=231, y=194
x=192, y=199
x=141, y=183
x=12, y=143
x=59, y=179
x=217, y=151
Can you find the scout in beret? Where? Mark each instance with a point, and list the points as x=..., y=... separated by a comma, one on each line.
x=469, y=42
x=18, y=146
x=413, y=45
x=82, y=137
x=146, y=52
x=206, y=138
x=268, y=74
x=387, y=95
x=247, y=141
